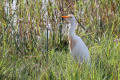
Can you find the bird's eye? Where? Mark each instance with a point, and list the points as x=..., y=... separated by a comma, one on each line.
x=70, y=17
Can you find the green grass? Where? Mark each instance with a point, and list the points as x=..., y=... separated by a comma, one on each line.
x=24, y=57
x=105, y=64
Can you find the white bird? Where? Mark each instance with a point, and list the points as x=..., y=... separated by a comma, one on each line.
x=78, y=49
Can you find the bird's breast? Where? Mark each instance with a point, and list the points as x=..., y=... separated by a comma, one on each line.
x=72, y=43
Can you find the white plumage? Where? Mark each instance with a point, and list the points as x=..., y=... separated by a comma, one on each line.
x=78, y=49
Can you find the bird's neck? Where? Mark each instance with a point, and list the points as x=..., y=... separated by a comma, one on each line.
x=72, y=28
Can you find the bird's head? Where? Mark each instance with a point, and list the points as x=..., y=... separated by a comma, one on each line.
x=70, y=18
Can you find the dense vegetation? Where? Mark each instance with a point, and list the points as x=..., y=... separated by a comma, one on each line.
x=23, y=53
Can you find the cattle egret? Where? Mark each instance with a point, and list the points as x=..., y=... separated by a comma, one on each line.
x=78, y=49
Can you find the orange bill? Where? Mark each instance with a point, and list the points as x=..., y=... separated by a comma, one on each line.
x=65, y=16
